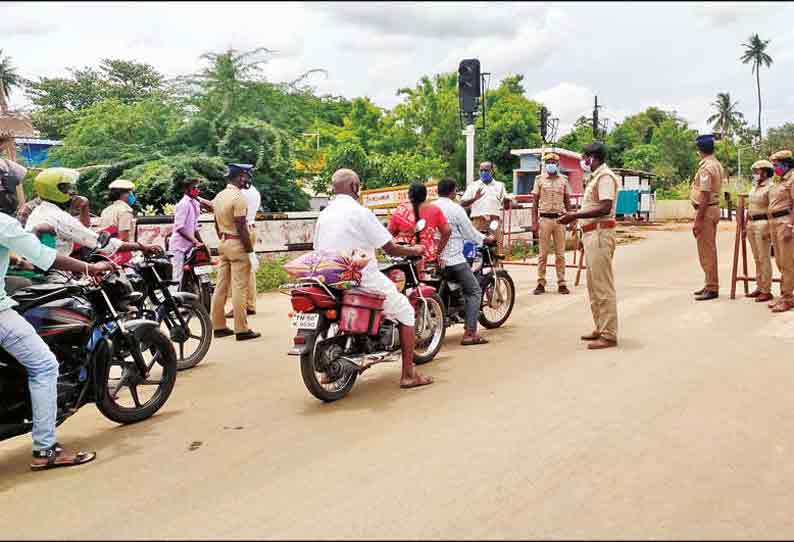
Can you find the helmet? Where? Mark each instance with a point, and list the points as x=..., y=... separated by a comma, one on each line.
x=121, y=184
x=46, y=183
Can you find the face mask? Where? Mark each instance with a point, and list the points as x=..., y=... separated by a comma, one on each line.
x=486, y=176
x=131, y=199
x=756, y=177
x=552, y=169
x=585, y=166
x=194, y=192
x=780, y=171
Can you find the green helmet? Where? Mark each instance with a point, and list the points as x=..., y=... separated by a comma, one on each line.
x=46, y=183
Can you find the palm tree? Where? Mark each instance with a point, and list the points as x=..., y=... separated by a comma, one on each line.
x=9, y=78
x=755, y=53
x=727, y=119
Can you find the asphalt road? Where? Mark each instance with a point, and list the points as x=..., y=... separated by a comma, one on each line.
x=684, y=431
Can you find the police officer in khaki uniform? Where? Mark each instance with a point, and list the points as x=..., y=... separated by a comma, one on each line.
x=552, y=200
x=757, y=229
x=235, y=249
x=119, y=214
x=598, y=226
x=705, y=198
x=781, y=221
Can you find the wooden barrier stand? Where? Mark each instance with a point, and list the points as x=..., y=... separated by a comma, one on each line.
x=740, y=248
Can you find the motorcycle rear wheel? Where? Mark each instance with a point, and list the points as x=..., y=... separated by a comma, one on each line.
x=158, y=353
x=192, y=284
x=330, y=392
x=431, y=339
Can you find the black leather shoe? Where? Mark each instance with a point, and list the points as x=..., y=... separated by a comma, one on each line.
x=225, y=332
x=246, y=335
x=539, y=290
x=699, y=292
x=706, y=295
x=563, y=290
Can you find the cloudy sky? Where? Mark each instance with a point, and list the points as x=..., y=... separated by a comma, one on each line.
x=632, y=55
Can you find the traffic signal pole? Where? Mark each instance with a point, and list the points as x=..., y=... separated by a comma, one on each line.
x=469, y=133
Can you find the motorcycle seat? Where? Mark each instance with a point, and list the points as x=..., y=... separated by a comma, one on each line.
x=38, y=290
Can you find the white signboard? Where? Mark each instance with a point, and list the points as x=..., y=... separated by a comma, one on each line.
x=382, y=198
x=645, y=202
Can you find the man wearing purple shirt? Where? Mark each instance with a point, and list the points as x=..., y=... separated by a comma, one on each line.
x=185, y=234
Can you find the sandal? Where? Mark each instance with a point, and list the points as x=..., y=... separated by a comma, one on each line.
x=477, y=339
x=417, y=381
x=783, y=306
x=55, y=452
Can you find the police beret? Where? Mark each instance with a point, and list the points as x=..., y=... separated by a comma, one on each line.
x=761, y=164
x=236, y=169
x=121, y=184
x=595, y=148
x=705, y=138
x=782, y=155
x=551, y=156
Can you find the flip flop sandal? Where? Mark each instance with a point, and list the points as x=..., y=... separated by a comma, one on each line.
x=782, y=307
x=473, y=341
x=421, y=381
x=52, y=454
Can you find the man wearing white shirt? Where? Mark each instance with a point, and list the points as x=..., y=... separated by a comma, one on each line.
x=346, y=224
x=253, y=200
x=486, y=197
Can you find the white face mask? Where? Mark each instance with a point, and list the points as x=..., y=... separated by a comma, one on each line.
x=585, y=166
x=551, y=169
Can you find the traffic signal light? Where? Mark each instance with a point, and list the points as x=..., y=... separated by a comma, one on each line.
x=544, y=121
x=469, y=86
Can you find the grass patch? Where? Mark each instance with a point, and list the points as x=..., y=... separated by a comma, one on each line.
x=271, y=274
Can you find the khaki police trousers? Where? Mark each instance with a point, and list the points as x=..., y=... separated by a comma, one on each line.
x=235, y=274
x=550, y=231
x=599, y=248
x=784, y=256
x=761, y=244
x=707, y=248
x=250, y=296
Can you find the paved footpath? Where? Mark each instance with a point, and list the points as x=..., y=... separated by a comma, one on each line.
x=685, y=431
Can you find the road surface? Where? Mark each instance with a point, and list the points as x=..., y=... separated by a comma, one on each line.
x=684, y=431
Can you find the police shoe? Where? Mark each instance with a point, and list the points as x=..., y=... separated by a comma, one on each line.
x=707, y=295
x=563, y=290
x=246, y=335
x=601, y=343
x=763, y=297
x=225, y=332
x=539, y=290
x=754, y=293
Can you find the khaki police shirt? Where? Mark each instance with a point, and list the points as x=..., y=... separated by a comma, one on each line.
x=228, y=205
x=117, y=214
x=603, y=185
x=758, y=199
x=709, y=177
x=550, y=193
x=781, y=194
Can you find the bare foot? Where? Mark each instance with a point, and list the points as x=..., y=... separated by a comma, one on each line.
x=415, y=381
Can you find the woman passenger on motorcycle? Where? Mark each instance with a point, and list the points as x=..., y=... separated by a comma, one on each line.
x=402, y=224
x=55, y=187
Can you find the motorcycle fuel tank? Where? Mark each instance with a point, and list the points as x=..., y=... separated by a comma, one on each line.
x=69, y=320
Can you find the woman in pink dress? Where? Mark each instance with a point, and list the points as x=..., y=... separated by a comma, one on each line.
x=402, y=224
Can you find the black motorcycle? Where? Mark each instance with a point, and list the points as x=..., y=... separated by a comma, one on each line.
x=128, y=368
x=184, y=316
x=197, y=275
x=498, y=290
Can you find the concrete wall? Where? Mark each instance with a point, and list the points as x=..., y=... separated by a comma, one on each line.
x=668, y=209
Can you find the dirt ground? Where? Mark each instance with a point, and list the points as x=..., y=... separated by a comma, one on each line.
x=684, y=431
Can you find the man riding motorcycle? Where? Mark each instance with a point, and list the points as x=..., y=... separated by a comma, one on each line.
x=346, y=224
x=19, y=338
x=56, y=188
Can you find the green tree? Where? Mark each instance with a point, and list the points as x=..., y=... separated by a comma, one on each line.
x=345, y=155
x=778, y=138
x=727, y=120
x=755, y=54
x=402, y=168
x=9, y=79
x=644, y=157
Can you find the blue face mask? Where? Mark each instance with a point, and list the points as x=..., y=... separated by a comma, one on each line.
x=486, y=176
x=131, y=199
x=552, y=169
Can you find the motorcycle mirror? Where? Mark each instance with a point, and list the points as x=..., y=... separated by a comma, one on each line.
x=494, y=225
x=420, y=225
x=104, y=239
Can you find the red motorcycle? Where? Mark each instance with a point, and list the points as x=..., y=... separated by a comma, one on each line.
x=342, y=333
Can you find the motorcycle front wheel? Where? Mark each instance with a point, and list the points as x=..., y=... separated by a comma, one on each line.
x=498, y=299
x=430, y=329
x=192, y=344
x=127, y=397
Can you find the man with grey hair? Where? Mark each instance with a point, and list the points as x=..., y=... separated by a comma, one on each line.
x=344, y=225
x=487, y=198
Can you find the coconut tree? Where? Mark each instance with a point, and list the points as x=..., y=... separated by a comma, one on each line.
x=9, y=78
x=727, y=119
x=755, y=54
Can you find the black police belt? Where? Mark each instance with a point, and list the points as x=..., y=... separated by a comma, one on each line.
x=697, y=206
x=550, y=215
x=758, y=217
x=778, y=214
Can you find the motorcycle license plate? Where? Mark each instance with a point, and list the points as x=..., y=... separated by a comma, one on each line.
x=305, y=320
x=203, y=270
